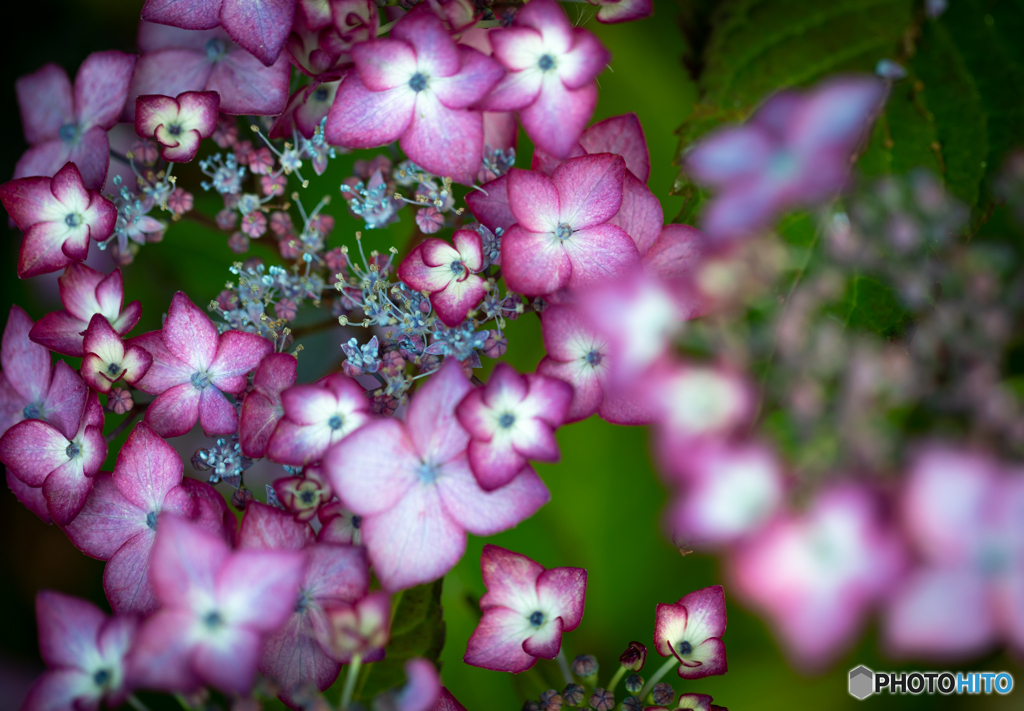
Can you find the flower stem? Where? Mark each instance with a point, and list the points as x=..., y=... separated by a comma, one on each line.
x=350, y=682
x=615, y=679
x=665, y=668
x=136, y=704
x=139, y=409
x=563, y=664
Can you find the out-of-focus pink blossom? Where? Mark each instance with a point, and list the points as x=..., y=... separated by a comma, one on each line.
x=65, y=123
x=525, y=611
x=360, y=628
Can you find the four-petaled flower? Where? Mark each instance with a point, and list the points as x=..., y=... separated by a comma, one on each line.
x=193, y=367
x=317, y=416
x=107, y=360
x=85, y=651
x=177, y=124
x=512, y=419
x=217, y=608
x=59, y=216
x=526, y=610
x=691, y=631
x=416, y=87
x=411, y=483
x=563, y=236
x=448, y=274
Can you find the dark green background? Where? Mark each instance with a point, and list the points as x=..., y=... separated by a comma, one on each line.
x=606, y=497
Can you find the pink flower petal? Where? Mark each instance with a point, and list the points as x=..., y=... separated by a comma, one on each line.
x=126, y=577
x=547, y=641
x=431, y=423
x=107, y=521
x=260, y=27
x=598, y=254
x=534, y=200
x=32, y=449
x=490, y=204
x=624, y=136
x=581, y=64
x=188, y=14
x=175, y=411
x=444, y=141
x=477, y=74
x=640, y=216
x=360, y=118
x=101, y=88
x=258, y=588
x=382, y=448
x=217, y=414
x=147, y=469
x=31, y=497
x=384, y=63
x=267, y=528
x=484, y=513
x=248, y=87
x=564, y=590
x=238, y=354
x=257, y=421
x=189, y=334
x=436, y=53
x=68, y=629
x=26, y=365
x=589, y=189
x=161, y=656
x=186, y=561
x=46, y=103
x=497, y=642
x=557, y=118
x=66, y=489
x=510, y=579
x=166, y=370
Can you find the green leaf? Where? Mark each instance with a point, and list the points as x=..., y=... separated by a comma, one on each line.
x=870, y=305
x=417, y=630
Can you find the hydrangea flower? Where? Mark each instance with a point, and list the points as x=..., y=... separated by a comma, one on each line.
x=317, y=416
x=217, y=607
x=62, y=455
x=578, y=356
x=562, y=236
x=963, y=515
x=85, y=292
x=58, y=216
x=794, y=151
x=193, y=366
x=260, y=29
x=262, y=408
x=412, y=484
x=416, y=87
x=816, y=574
x=118, y=522
x=85, y=651
x=65, y=123
x=177, y=124
x=361, y=629
x=526, y=610
x=303, y=496
x=552, y=67
x=448, y=274
x=107, y=360
x=174, y=60
x=511, y=419
x=691, y=631
x=297, y=652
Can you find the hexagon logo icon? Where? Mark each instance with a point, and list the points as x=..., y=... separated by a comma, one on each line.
x=862, y=682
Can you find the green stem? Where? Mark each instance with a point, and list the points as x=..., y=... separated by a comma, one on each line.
x=350, y=682
x=563, y=664
x=615, y=679
x=136, y=704
x=184, y=704
x=665, y=668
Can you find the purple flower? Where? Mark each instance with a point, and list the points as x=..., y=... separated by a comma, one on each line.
x=85, y=292
x=119, y=519
x=60, y=455
x=58, y=216
x=302, y=496
x=261, y=29
x=794, y=151
x=962, y=512
x=85, y=651
x=175, y=61
x=691, y=631
x=552, y=68
x=69, y=124
x=107, y=360
x=307, y=107
x=217, y=608
x=563, y=237
x=526, y=610
x=324, y=52
x=317, y=416
x=578, y=356
x=412, y=484
x=297, y=653
x=262, y=409
x=193, y=366
x=511, y=419
x=816, y=574
x=448, y=274
x=177, y=124
x=416, y=87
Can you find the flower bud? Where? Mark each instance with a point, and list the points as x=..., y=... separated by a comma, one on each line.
x=634, y=656
x=495, y=345
x=663, y=694
x=531, y=705
x=200, y=460
x=550, y=700
x=119, y=401
x=602, y=700
x=585, y=666
x=632, y=703
x=241, y=498
x=572, y=694
x=634, y=682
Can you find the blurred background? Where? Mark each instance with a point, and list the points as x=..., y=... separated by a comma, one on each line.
x=607, y=500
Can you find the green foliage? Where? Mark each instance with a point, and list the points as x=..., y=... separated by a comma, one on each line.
x=417, y=630
x=870, y=305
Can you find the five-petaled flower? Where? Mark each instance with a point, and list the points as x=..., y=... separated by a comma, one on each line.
x=691, y=631
x=193, y=367
x=85, y=651
x=59, y=216
x=512, y=419
x=177, y=124
x=448, y=274
x=412, y=484
x=526, y=610
x=317, y=416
